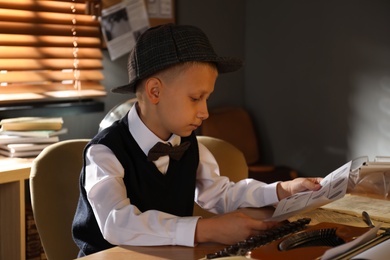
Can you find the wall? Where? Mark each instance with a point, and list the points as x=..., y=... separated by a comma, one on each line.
x=318, y=80
x=223, y=21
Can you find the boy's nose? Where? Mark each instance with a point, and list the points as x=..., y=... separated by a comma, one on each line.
x=203, y=112
x=205, y=116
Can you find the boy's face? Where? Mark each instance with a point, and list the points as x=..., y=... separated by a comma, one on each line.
x=182, y=104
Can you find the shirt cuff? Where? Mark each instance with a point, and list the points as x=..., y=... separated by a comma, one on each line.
x=270, y=194
x=185, y=231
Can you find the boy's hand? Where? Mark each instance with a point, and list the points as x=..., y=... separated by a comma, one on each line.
x=229, y=228
x=288, y=188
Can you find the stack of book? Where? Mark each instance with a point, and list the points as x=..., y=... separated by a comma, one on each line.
x=28, y=136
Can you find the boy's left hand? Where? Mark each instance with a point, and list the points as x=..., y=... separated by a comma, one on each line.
x=288, y=188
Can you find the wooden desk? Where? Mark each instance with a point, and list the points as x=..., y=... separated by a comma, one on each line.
x=176, y=252
x=156, y=252
x=172, y=252
x=13, y=174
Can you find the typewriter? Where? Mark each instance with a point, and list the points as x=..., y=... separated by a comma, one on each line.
x=298, y=240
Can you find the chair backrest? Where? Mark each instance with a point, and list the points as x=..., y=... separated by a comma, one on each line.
x=116, y=113
x=54, y=190
x=231, y=162
x=233, y=124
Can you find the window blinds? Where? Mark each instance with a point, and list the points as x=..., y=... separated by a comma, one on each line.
x=49, y=50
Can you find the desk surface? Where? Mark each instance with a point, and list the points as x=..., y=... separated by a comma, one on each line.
x=172, y=252
x=14, y=169
x=156, y=252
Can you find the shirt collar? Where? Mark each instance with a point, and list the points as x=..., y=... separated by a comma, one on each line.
x=145, y=138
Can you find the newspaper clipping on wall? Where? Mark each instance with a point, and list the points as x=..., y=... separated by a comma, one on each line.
x=122, y=24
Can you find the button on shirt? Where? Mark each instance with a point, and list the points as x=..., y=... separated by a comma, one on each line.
x=122, y=223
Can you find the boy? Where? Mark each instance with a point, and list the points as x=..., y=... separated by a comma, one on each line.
x=130, y=198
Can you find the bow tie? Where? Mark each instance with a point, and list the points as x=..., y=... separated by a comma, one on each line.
x=161, y=149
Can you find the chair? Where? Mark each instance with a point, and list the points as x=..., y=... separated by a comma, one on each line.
x=116, y=113
x=231, y=163
x=54, y=190
x=234, y=124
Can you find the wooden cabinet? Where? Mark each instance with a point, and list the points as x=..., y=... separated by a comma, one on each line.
x=14, y=175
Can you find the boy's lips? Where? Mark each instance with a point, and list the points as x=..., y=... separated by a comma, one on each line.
x=195, y=126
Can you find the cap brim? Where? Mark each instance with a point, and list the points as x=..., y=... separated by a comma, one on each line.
x=225, y=64
x=125, y=89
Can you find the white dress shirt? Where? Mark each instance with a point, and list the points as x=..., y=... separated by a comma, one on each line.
x=122, y=223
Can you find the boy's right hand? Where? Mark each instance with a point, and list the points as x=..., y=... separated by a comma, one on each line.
x=229, y=228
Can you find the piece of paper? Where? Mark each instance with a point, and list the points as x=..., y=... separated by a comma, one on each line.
x=160, y=9
x=122, y=24
x=378, y=252
x=338, y=250
x=334, y=186
x=321, y=215
x=378, y=209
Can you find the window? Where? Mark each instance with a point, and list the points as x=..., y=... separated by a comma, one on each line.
x=50, y=53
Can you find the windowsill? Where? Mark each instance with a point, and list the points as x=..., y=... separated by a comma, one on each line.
x=52, y=108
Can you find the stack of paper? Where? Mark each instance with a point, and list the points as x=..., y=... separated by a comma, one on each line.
x=28, y=136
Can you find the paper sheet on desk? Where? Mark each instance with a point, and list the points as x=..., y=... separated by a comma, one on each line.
x=338, y=250
x=378, y=252
x=379, y=209
x=334, y=186
x=322, y=215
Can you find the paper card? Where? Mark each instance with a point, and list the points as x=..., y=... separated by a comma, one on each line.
x=334, y=186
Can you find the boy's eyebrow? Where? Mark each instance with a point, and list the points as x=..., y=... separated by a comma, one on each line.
x=201, y=92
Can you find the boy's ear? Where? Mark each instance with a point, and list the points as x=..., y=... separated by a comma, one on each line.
x=152, y=89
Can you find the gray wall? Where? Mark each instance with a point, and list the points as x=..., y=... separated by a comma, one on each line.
x=224, y=23
x=316, y=78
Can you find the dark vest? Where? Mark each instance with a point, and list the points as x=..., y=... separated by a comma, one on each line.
x=146, y=187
